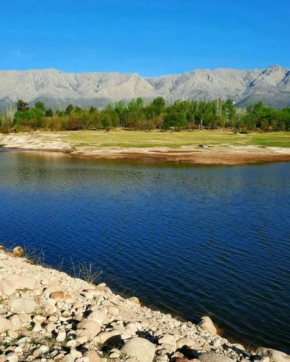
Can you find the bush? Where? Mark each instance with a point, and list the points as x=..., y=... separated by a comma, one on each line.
x=24, y=117
x=244, y=131
x=21, y=128
x=75, y=122
x=5, y=127
x=55, y=123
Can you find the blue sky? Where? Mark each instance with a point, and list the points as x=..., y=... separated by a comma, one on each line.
x=146, y=37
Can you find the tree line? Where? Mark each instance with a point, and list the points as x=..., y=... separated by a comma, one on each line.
x=138, y=115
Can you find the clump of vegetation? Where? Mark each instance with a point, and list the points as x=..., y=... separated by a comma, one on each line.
x=90, y=272
x=138, y=115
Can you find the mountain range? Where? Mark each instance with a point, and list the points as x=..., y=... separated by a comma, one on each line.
x=57, y=89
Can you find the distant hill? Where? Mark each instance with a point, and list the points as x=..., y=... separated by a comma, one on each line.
x=57, y=89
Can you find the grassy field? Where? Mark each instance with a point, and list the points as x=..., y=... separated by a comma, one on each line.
x=141, y=139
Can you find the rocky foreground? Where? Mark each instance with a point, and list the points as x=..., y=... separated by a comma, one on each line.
x=46, y=315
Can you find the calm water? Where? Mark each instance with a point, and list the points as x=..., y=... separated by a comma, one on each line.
x=189, y=240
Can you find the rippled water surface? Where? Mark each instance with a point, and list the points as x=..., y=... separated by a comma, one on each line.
x=188, y=240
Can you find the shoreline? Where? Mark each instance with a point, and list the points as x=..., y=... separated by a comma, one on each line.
x=214, y=156
x=206, y=155
x=47, y=315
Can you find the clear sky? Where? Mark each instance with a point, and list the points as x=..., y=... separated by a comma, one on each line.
x=149, y=37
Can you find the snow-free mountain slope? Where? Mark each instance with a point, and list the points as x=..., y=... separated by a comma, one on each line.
x=57, y=89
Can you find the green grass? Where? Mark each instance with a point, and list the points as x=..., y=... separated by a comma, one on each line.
x=278, y=139
x=140, y=139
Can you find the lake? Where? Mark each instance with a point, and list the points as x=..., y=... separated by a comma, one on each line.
x=189, y=240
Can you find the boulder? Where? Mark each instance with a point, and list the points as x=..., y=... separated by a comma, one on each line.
x=206, y=324
x=12, y=357
x=113, y=311
x=61, y=336
x=135, y=300
x=3, y=256
x=238, y=347
x=214, y=357
x=167, y=339
x=18, y=251
x=186, y=342
x=7, y=288
x=98, y=316
x=101, y=286
x=37, y=327
x=21, y=281
x=274, y=355
x=88, y=328
x=22, y=305
x=140, y=349
x=104, y=336
x=93, y=356
x=5, y=325
x=16, y=321
x=59, y=296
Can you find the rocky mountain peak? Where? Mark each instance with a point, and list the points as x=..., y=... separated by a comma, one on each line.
x=57, y=88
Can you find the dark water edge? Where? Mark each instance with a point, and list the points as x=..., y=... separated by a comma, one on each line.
x=190, y=240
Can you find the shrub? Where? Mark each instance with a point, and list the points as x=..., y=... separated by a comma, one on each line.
x=75, y=122
x=5, y=127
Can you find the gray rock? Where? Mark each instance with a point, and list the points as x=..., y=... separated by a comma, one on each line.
x=98, y=316
x=44, y=349
x=61, y=336
x=140, y=349
x=7, y=288
x=274, y=355
x=88, y=328
x=18, y=251
x=21, y=281
x=12, y=357
x=185, y=341
x=134, y=300
x=113, y=311
x=206, y=324
x=104, y=336
x=21, y=305
x=213, y=357
x=5, y=325
x=167, y=339
x=92, y=356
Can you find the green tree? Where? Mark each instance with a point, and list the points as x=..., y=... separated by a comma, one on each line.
x=122, y=110
x=175, y=120
x=92, y=110
x=69, y=109
x=40, y=105
x=59, y=113
x=134, y=112
x=30, y=118
x=158, y=105
x=230, y=110
x=49, y=113
x=22, y=106
x=77, y=109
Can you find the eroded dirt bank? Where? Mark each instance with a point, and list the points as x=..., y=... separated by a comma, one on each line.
x=215, y=155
